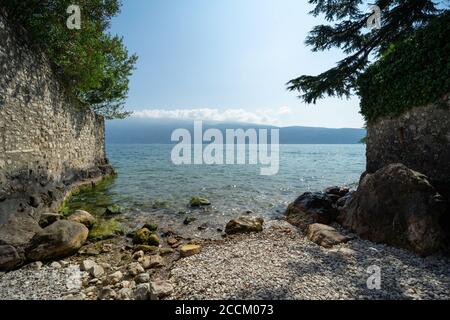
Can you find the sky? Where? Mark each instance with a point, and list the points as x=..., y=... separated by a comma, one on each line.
x=227, y=60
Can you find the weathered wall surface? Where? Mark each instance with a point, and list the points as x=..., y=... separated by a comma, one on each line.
x=420, y=139
x=44, y=137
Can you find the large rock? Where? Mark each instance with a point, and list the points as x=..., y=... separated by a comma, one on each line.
x=47, y=219
x=398, y=206
x=324, y=235
x=311, y=208
x=244, y=225
x=19, y=230
x=58, y=240
x=82, y=217
x=9, y=258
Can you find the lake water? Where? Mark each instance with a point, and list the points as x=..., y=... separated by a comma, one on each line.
x=148, y=185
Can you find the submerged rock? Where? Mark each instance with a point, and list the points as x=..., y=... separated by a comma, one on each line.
x=199, y=201
x=105, y=229
x=398, y=206
x=311, y=208
x=83, y=217
x=244, y=225
x=61, y=239
x=113, y=210
x=324, y=235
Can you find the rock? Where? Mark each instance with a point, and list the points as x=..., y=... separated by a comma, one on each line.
x=399, y=207
x=113, y=210
x=138, y=255
x=135, y=268
x=311, y=208
x=75, y=297
x=338, y=191
x=58, y=240
x=9, y=258
x=82, y=217
x=18, y=230
x=199, y=201
x=343, y=200
x=146, y=248
x=142, y=292
x=105, y=229
x=107, y=294
x=145, y=236
x=114, y=278
x=203, y=226
x=85, y=265
x=187, y=250
x=172, y=241
x=37, y=265
x=47, y=219
x=55, y=265
x=155, y=261
x=161, y=289
x=151, y=226
x=142, y=278
x=125, y=294
x=95, y=270
x=189, y=220
x=324, y=235
x=166, y=251
x=244, y=225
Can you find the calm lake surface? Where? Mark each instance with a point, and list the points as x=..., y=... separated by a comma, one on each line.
x=149, y=185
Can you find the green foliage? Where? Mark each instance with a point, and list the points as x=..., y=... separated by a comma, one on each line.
x=413, y=72
x=92, y=64
x=400, y=19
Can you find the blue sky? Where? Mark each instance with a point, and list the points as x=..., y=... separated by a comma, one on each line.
x=226, y=60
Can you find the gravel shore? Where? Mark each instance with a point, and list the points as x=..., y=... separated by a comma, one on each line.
x=280, y=263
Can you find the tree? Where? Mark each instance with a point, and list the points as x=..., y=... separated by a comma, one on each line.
x=400, y=19
x=93, y=65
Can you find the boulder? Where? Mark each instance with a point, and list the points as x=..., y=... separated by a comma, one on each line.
x=82, y=217
x=311, y=208
x=9, y=258
x=199, y=201
x=146, y=237
x=187, y=250
x=324, y=235
x=18, y=230
x=47, y=219
x=142, y=292
x=244, y=225
x=59, y=240
x=399, y=207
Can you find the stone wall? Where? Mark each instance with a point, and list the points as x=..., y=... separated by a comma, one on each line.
x=419, y=138
x=46, y=138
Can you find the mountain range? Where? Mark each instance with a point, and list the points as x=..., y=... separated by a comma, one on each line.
x=159, y=131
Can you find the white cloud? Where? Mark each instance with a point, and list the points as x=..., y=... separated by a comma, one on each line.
x=261, y=116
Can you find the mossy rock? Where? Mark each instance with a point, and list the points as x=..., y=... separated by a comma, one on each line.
x=146, y=237
x=146, y=248
x=151, y=226
x=199, y=201
x=113, y=210
x=105, y=229
x=159, y=204
x=189, y=220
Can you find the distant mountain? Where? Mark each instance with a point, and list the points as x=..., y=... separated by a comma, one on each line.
x=154, y=131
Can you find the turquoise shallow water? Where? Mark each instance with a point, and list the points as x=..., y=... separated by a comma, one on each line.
x=148, y=184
